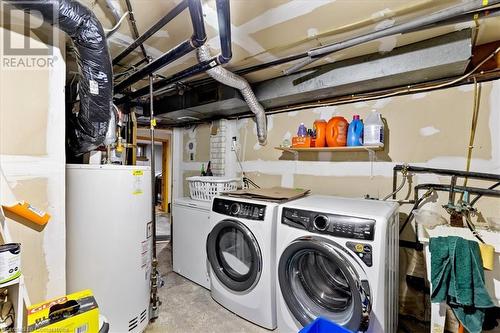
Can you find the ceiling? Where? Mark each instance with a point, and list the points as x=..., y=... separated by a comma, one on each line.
x=265, y=30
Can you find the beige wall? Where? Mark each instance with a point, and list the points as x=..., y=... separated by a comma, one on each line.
x=32, y=158
x=428, y=129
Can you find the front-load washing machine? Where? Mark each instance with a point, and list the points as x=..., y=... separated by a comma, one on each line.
x=241, y=254
x=337, y=258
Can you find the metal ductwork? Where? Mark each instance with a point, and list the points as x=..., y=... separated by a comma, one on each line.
x=440, y=57
x=415, y=24
x=95, y=88
x=118, y=17
x=228, y=78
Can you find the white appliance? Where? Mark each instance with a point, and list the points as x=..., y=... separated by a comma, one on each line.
x=338, y=258
x=240, y=249
x=108, y=240
x=190, y=228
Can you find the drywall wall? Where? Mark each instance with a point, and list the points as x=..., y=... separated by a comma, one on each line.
x=32, y=158
x=428, y=129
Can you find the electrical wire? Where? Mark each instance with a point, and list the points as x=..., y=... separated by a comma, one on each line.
x=117, y=25
x=245, y=179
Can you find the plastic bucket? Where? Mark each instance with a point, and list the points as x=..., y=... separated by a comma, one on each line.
x=322, y=325
x=10, y=262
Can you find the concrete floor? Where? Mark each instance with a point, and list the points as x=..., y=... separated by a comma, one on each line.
x=188, y=308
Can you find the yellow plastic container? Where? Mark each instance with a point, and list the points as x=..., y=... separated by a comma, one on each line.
x=488, y=255
x=28, y=212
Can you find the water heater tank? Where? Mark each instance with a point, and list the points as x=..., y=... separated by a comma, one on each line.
x=108, y=240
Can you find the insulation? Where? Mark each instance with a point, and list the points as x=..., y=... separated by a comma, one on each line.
x=90, y=124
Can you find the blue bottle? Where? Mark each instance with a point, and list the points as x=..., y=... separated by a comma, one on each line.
x=355, y=132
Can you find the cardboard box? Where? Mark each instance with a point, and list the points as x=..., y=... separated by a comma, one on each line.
x=75, y=313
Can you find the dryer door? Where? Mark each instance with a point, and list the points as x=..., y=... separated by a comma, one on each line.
x=319, y=278
x=235, y=256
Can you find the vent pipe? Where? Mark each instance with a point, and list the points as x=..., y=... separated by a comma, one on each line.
x=230, y=79
x=95, y=87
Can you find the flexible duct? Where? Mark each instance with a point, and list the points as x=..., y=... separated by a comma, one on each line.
x=228, y=78
x=95, y=88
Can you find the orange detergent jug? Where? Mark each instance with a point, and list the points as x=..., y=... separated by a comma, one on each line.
x=320, y=128
x=336, y=132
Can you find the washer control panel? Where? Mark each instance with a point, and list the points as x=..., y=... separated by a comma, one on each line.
x=239, y=209
x=332, y=224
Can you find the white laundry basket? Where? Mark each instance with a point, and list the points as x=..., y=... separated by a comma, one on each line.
x=205, y=188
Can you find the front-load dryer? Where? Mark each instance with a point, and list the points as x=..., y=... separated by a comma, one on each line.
x=241, y=254
x=337, y=258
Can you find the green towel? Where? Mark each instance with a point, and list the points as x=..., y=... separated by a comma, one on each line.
x=458, y=278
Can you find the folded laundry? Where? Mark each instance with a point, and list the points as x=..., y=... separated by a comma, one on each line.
x=457, y=278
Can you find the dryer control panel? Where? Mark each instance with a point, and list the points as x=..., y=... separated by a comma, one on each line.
x=239, y=209
x=330, y=224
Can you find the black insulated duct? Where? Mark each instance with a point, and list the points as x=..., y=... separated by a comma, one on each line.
x=95, y=88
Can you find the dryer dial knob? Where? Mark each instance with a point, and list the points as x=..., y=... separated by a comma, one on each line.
x=320, y=223
x=234, y=208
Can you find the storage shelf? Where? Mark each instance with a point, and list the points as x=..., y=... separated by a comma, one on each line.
x=332, y=149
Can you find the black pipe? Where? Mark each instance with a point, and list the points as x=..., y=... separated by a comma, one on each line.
x=482, y=14
x=188, y=72
x=135, y=32
x=459, y=189
x=165, y=83
x=198, y=38
x=151, y=31
x=223, y=16
x=169, y=57
x=199, y=34
x=492, y=187
x=449, y=172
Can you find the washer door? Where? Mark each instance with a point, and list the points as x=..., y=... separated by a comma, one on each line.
x=235, y=256
x=317, y=278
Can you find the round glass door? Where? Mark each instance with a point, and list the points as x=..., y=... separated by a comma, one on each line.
x=234, y=255
x=317, y=280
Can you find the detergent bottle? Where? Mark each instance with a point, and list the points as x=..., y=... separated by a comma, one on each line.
x=302, y=131
x=355, y=132
x=336, y=132
x=373, y=130
x=320, y=129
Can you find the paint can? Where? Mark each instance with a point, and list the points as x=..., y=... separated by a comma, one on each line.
x=10, y=262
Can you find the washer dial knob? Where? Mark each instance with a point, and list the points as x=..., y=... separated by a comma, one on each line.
x=320, y=222
x=235, y=208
